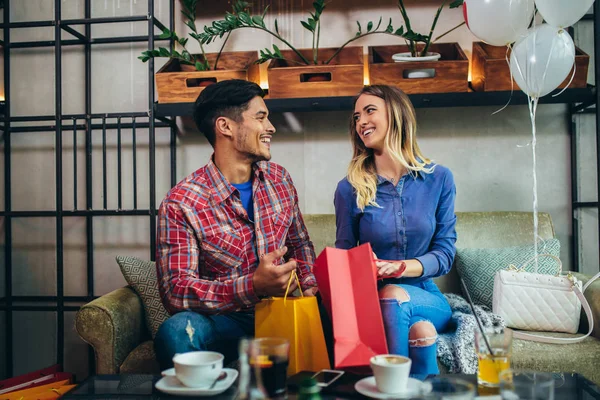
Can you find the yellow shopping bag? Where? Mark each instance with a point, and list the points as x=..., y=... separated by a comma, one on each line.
x=296, y=319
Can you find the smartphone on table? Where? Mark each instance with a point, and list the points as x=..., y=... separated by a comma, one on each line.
x=326, y=377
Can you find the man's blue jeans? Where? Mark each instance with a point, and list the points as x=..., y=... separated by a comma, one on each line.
x=426, y=303
x=220, y=333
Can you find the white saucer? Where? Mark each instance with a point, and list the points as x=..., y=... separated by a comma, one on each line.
x=171, y=385
x=367, y=387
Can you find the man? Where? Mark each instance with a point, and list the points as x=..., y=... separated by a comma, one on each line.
x=228, y=234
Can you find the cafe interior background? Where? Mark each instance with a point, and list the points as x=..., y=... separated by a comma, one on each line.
x=489, y=154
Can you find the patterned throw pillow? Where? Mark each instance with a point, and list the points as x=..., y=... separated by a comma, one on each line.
x=477, y=267
x=141, y=276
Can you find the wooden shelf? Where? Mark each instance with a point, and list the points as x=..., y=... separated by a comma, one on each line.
x=431, y=100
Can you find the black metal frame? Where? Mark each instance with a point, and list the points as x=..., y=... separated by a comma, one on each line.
x=579, y=101
x=92, y=124
x=587, y=107
x=582, y=96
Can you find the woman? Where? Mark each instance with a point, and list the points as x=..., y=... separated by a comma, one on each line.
x=403, y=205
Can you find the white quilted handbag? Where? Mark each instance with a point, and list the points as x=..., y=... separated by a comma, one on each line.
x=541, y=302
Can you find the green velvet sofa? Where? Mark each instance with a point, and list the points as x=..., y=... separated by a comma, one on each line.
x=114, y=323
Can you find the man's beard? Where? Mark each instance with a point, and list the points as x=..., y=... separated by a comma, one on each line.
x=253, y=155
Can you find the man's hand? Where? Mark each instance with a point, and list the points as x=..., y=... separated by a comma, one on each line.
x=310, y=291
x=272, y=280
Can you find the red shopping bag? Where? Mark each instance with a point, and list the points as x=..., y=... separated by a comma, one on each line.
x=347, y=281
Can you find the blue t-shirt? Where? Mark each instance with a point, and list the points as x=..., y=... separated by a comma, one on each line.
x=245, y=190
x=415, y=220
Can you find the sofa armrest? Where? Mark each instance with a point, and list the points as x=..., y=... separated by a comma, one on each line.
x=113, y=325
x=592, y=295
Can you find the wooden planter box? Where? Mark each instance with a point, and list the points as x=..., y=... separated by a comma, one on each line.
x=490, y=71
x=180, y=83
x=451, y=70
x=343, y=76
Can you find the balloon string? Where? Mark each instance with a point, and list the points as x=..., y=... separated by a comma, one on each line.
x=548, y=64
x=570, y=81
x=520, y=72
x=508, y=49
x=523, y=146
x=533, y=102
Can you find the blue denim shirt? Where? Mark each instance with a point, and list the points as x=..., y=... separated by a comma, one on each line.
x=415, y=220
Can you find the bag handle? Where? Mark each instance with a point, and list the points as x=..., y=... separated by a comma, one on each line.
x=287, y=289
x=559, y=263
x=588, y=313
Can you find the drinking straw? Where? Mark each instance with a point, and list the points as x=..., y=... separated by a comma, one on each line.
x=462, y=282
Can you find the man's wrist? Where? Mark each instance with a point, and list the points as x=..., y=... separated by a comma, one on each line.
x=257, y=292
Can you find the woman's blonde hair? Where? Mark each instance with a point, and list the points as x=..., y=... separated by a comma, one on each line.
x=400, y=143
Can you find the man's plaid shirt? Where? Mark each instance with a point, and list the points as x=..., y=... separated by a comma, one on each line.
x=208, y=249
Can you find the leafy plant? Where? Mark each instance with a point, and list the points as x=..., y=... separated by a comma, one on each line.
x=414, y=38
x=240, y=17
x=243, y=19
x=313, y=25
x=184, y=57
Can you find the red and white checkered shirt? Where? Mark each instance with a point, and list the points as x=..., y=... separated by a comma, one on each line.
x=208, y=248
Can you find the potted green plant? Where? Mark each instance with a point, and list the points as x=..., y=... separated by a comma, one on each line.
x=304, y=72
x=184, y=76
x=443, y=67
x=419, y=44
x=199, y=61
x=243, y=19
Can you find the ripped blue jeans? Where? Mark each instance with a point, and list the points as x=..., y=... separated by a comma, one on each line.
x=190, y=331
x=426, y=303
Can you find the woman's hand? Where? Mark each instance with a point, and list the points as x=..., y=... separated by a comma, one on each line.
x=387, y=268
x=310, y=292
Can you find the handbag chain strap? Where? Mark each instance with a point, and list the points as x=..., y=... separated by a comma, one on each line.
x=588, y=312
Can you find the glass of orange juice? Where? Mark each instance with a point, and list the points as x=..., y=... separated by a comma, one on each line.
x=491, y=364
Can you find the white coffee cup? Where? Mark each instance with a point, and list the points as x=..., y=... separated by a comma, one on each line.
x=391, y=372
x=198, y=368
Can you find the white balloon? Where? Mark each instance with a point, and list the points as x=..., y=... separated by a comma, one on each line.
x=542, y=60
x=563, y=13
x=498, y=22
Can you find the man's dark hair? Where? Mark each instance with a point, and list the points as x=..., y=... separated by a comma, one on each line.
x=223, y=99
